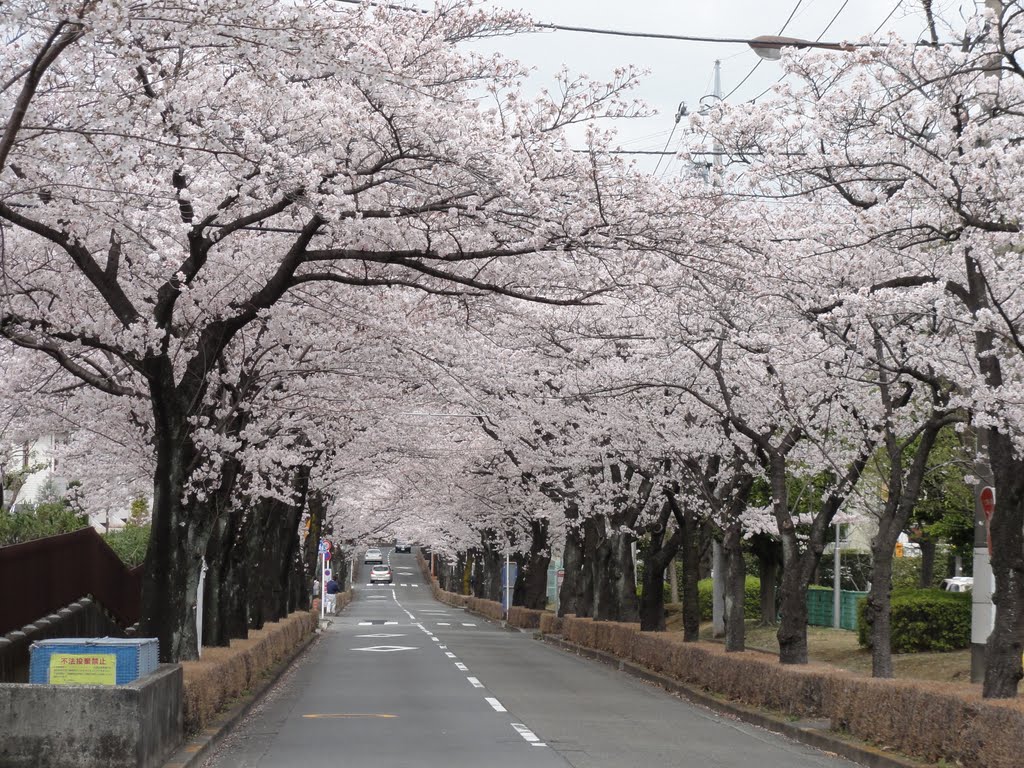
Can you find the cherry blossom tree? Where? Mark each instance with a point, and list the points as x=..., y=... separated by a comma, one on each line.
x=170, y=173
x=898, y=165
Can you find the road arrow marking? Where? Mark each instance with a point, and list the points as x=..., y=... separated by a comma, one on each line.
x=385, y=648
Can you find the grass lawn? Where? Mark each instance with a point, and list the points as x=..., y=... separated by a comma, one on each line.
x=839, y=648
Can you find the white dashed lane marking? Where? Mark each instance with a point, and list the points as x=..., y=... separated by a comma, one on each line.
x=527, y=734
x=449, y=654
x=460, y=666
x=496, y=704
x=474, y=682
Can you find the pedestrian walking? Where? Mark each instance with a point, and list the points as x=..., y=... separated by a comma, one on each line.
x=332, y=589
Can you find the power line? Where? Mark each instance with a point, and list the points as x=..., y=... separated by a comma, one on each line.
x=886, y=19
x=623, y=33
x=679, y=116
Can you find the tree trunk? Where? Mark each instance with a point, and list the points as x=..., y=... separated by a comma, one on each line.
x=532, y=579
x=904, y=488
x=289, y=547
x=488, y=584
x=613, y=575
x=215, y=626
x=178, y=538
x=585, y=586
x=769, y=574
x=1003, y=651
x=878, y=611
x=572, y=564
x=735, y=587
x=658, y=555
x=690, y=552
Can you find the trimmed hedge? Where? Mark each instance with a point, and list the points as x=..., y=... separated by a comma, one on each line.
x=751, y=598
x=224, y=674
x=924, y=620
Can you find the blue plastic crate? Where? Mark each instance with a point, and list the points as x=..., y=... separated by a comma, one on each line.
x=135, y=657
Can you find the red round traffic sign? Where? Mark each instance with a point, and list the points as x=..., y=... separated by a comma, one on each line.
x=988, y=501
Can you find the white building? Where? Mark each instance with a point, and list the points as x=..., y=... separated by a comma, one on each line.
x=42, y=457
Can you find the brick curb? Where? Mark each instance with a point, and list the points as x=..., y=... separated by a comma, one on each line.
x=815, y=736
x=194, y=750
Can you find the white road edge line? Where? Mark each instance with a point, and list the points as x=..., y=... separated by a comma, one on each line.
x=495, y=703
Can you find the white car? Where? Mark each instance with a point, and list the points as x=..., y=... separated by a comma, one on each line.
x=373, y=555
x=958, y=584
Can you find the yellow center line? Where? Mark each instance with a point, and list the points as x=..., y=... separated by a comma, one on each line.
x=341, y=715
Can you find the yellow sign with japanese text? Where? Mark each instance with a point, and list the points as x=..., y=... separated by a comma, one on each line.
x=83, y=669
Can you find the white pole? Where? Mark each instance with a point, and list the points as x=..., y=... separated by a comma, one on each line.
x=323, y=587
x=837, y=600
x=508, y=593
x=199, y=609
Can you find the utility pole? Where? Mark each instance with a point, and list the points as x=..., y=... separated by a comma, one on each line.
x=983, y=612
x=717, y=558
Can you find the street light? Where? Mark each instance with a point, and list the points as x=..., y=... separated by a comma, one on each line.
x=770, y=46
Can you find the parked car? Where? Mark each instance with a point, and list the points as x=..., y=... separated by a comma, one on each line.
x=373, y=555
x=380, y=574
x=402, y=546
x=958, y=584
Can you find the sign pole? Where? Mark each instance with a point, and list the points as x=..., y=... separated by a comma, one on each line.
x=508, y=593
x=323, y=587
x=837, y=586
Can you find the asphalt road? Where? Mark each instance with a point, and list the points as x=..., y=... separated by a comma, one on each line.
x=402, y=680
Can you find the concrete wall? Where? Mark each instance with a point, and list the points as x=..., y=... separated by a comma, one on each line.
x=127, y=726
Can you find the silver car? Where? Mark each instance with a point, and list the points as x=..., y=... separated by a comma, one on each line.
x=373, y=555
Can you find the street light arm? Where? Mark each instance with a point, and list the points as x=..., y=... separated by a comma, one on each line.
x=770, y=46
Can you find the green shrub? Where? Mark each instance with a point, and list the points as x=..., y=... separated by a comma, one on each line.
x=35, y=521
x=129, y=543
x=751, y=601
x=924, y=620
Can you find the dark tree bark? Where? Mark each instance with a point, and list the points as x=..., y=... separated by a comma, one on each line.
x=735, y=587
x=726, y=486
x=1003, y=650
x=904, y=487
x=657, y=556
x=799, y=563
x=572, y=564
x=613, y=575
x=488, y=583
x=178, y=534
x=532, y=577
x=689, y=548
x=768, y=551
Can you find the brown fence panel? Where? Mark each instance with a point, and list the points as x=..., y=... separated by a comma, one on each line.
x=40, y=577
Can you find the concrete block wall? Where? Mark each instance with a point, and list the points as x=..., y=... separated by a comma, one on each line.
x=82, y=726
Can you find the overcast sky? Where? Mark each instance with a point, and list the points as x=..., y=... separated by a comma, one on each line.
x=682, y=71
